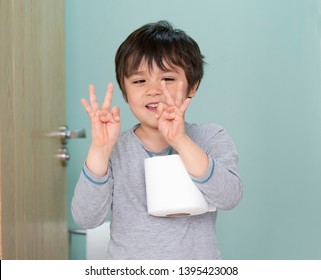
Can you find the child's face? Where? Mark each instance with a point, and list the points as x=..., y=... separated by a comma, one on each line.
x=144, y=90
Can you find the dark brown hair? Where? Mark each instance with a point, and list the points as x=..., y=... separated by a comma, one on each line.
x=160, y=43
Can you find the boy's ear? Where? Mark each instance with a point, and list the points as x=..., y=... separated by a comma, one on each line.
x=193, y=90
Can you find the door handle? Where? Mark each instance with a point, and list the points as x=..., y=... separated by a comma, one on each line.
x=64, y=133
x=63, y=155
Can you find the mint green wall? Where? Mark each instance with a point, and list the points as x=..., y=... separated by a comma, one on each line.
x=262, y=83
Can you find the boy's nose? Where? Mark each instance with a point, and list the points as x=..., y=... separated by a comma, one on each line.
x=155, y=88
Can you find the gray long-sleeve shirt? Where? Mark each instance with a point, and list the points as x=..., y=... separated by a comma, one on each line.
x=134, y=233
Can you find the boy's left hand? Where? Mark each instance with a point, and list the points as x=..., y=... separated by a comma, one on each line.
x=170, y=115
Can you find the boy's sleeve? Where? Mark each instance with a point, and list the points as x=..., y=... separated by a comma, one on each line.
x=221, y=185
x=92, y=198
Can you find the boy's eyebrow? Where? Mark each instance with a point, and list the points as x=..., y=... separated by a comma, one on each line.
x=170, y=70
x=163, y=71
x=136, y=73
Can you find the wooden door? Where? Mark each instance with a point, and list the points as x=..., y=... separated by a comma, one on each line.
x=32, y=91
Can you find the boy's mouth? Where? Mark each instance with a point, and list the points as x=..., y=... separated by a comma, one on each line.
x=152, y=106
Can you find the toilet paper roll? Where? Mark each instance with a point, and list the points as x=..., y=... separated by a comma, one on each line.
x=170, y=190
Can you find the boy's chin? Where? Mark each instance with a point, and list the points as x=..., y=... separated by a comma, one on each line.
x=150, y=124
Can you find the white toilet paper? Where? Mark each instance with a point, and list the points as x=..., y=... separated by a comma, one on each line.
x=97, y=242
x=170, y=190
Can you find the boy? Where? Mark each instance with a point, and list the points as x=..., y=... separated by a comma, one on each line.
x=158, y=69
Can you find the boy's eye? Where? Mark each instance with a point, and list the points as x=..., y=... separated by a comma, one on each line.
x=168, y=79
x=139, y=81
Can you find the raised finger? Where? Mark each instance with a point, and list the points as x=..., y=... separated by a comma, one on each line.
x=185, y=104
x=92, y=97
x=108, y=97
x=168, y=96
x=179, y=95
x=86, y=105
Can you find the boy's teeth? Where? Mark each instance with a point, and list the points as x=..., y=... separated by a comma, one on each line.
x=154, y=105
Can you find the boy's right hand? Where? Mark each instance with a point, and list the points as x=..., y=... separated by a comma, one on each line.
x=105, y=122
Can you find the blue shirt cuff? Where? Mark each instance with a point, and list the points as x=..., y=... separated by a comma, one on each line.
x=208, y=175
x=93, y=178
